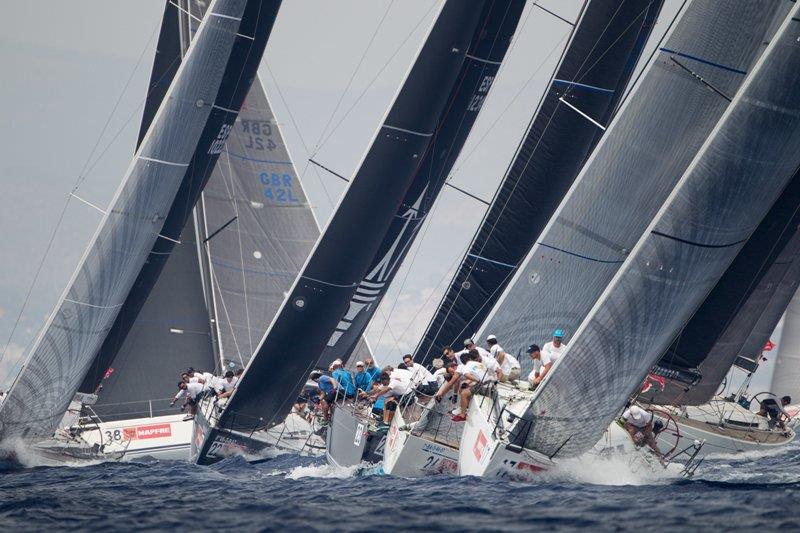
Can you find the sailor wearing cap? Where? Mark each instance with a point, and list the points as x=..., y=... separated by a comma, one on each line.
x=541, y=365
x=362, y=378
x=555, y=348
x=469, y=344
x=508, y=363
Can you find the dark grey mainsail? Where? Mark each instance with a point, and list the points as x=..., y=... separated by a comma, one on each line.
x=174, y=158
x=594, y=70
x=487, y=48
x=748, y=159
x=320, y=295
x=648, y=146
x=762, y=275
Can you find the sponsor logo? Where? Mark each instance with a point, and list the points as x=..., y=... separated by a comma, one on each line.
x=219, y=143
x=224, y=447
x=358, y=435
x=392, y=437
x=479, y=447
x=154, y=431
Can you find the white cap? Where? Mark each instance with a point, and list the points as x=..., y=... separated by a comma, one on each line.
x=491, y=338
x=335, y=363
x=359, y=363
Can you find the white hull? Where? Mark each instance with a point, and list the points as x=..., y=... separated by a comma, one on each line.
x=162, y=437
x=409, y=455
x=740, y=430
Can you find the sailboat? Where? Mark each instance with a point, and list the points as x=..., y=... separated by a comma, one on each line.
x=726, y=335
x=786, y=374
x=750, y=156
x=184, y=129
x=321, y=294
x=353, y=436
x=596, y=65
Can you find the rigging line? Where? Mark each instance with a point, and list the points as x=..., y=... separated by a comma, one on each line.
x=213, y=272
x=81, y=176
x=556, y=15
x=374, y=79
x=353, y=75
x=700, y=78
x=655, y=50
x=225, y=225
x=299, y=134
x=323, y=167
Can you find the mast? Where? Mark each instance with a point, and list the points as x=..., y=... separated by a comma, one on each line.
x=596, y=65
x=749, y=158
x=327, y=282
x=497, y=24
x=173, y=161
x=760, y=277
x=647, y=147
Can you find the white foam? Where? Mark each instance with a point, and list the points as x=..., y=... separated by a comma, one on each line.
x=29, y=457
x=614, y=469
x=324, y=471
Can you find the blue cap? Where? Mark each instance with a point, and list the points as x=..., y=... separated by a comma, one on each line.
x=558, y=333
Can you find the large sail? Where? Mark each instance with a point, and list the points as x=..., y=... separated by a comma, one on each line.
x=319, y=297
x=595, y=68
x=698, y=360
x=786, y=375
x=173, y=160
x=497, y=24
x=648, y=146
x=747, y=160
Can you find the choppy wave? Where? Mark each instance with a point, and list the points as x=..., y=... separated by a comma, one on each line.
x=740, y=493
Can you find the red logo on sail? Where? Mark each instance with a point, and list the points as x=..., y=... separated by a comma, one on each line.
x=651, y=380
x=769, y=346
x=108, y=373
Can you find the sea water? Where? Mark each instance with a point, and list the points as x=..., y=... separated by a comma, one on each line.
x=738, y=492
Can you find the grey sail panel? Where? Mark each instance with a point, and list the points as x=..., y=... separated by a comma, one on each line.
x=763, y=271
x=170, y=334
x=786, y=376
x=487, y=48
x=650, y=143
x=749, y=158
x=591, y=76
x=319, y=298
x=254, y=259
x=185, y=131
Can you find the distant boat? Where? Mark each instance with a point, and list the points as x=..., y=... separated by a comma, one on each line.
x=184, y=130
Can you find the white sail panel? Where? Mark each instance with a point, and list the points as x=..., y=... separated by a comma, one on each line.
x=62, y=353
x=786, y=375
x=748, y=160
x=643, y=153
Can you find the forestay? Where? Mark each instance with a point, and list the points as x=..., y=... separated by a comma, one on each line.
x=647, y=147
x=747, y=160
x=761, y=276
x=182, y=143
x=319, y=297
x=486, y=50
x=594, y=69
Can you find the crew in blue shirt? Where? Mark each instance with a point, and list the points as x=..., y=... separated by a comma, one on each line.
x=362, y=378
x=345, y=379
x=371, y=369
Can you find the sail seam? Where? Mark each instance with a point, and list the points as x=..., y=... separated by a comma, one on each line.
x=220, y=15
x=582, y=256
x=581, y=113
x=92, y=305
x=704, y=61
x=491, y=260
x=245, y=158
x=698, y=244
x=482, y=60
x=329, y=283
x=584, y=86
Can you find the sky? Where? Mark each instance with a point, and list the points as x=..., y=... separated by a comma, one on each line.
x=73, y=104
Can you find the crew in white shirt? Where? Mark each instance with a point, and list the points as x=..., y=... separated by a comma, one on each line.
x=541, y=365
x=469, y=344
x=639, y=425
x=555, y=348
x=421, y=378
x=393, y=386
x=508, y=363
x=192, y=392
x=226, y=385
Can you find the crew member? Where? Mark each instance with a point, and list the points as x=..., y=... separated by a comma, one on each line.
x=639, y=425
x=774, y=412
x=508, y=363
x=541, y=365
x=555, y=348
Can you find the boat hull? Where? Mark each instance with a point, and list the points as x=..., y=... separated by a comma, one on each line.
x=409, y=455
x=161, y=437
x=350, y=441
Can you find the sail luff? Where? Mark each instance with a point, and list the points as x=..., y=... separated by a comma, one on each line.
x=592, y=73
x=340, y=258
x=185, y=130
x=786, y=374
x=750, y=156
